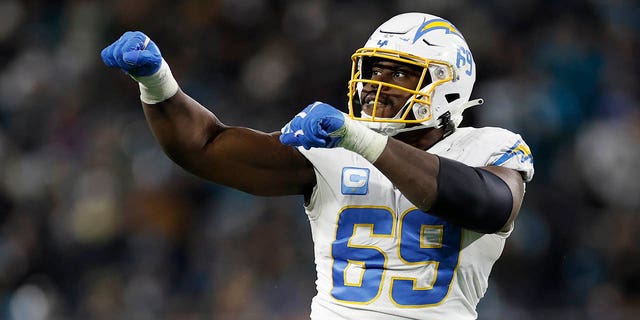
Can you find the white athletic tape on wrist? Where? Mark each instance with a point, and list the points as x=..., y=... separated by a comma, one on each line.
x=362, y=140
x=157, y=87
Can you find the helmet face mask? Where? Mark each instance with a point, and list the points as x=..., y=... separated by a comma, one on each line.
x=435, y=48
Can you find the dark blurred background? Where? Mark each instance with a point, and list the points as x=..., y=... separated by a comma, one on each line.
x=97, y=223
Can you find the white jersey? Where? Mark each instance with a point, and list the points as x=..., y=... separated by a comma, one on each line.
x=379, y=257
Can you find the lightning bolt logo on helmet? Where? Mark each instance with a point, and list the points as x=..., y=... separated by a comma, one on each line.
x=436, y=24
x=446, y=80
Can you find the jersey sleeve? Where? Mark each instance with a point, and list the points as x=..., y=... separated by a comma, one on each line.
x=513, y=153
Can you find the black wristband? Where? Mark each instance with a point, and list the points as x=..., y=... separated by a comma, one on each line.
x=471, y=198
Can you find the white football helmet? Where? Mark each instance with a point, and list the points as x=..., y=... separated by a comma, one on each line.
x=448, y=73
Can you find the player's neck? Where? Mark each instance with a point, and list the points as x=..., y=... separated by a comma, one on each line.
x=421, y=139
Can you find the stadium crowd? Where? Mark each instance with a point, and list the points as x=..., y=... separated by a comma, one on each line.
x=97, y=223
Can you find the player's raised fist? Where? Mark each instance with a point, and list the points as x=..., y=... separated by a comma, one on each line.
x=134, y=53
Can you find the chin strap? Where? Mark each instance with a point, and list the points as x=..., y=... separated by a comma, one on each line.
x=446, y=121
x=390, y=131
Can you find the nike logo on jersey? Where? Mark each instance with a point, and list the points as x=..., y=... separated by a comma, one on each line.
x=355, y=180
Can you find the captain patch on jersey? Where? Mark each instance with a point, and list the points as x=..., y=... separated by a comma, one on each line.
x=355, y=180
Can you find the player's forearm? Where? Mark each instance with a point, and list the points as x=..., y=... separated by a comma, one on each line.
x=414, y=172
x=473, y=198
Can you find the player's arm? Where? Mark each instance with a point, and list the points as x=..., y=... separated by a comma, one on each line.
x=242, y=158
x=483, y=199
x=192, y=136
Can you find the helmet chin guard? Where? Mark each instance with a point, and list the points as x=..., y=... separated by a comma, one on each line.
x=430, y=44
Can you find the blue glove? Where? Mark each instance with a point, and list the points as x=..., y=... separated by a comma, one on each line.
x=318, y=125
x=134, y=53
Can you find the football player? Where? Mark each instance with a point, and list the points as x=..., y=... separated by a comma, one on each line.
x=408, y=211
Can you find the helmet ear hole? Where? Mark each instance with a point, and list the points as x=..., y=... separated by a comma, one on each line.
x=452, y=97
